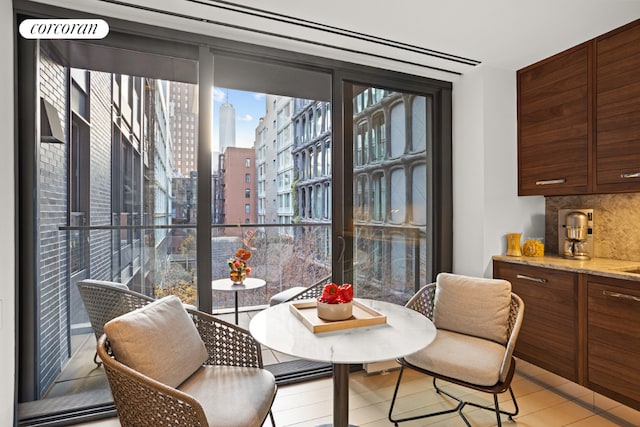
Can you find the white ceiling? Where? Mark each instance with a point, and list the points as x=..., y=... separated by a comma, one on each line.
x=508, y=34
x=503, y=33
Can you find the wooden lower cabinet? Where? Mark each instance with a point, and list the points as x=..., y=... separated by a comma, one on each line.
x=549, y=334
x=583, y=327
x=613, y=338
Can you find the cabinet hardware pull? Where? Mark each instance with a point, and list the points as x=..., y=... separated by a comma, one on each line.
x=630, y=175
x=619, y=295
x=551, y=181
x=533, y=279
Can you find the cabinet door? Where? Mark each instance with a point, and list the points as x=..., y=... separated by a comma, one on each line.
x=618, y=110
x=554, y=115
x=613, y=338
x=549, y=334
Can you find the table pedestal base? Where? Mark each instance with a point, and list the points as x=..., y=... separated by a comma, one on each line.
x=341, y=395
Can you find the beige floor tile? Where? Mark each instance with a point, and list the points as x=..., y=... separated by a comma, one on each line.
x=545, y=399
x=558, y=415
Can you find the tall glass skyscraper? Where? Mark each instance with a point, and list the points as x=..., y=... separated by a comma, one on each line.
x=227, y=126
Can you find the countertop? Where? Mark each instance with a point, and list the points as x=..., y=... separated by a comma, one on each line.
x=613, y=268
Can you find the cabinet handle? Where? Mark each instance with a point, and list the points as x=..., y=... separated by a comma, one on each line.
x=619, y=295
x=531, y=278
x=630, y=175
x=551, y=181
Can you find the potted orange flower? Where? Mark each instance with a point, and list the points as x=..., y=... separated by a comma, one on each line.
x=238, y=268
x=336, y=302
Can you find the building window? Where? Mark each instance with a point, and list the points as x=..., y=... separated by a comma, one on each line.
x=247, y=209
x=247, y=162
x=398, y=130
x=247, y=178
x=378, y=197
x=419, y=123
x=361, y=143
x=397, y=196
x=318, y=202
x=247, y=193
x=327, y=203
x=361, y=197
x=378, y=137
x=418, y=200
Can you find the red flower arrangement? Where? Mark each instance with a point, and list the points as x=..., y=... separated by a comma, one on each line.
x=239, y=263
x=238, y=268
x=334, y=294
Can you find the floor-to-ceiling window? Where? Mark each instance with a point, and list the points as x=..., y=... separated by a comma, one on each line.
x=397, y=138
x=121, y=198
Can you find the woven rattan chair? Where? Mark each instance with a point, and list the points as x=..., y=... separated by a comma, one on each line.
x=300, y=292
x=104, y=301
x=466, y=358
x=228, y=387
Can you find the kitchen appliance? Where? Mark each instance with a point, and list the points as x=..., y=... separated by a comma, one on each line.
x=575, y=233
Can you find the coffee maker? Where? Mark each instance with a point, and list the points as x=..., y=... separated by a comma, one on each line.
x=575, y=233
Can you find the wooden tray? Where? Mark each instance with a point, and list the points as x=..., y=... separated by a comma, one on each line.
x=362, y=316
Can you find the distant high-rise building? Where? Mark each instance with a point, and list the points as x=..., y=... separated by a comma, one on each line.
x=227, y=126
x=184, y=126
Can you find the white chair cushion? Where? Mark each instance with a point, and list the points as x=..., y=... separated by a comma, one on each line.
x=232, y=396
x=472, y=306
x=470, y=359
x=158, y=340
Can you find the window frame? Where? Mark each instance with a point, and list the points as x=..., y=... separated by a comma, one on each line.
x=337, y=119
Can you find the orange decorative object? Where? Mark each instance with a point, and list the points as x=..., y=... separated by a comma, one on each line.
x=513, y=244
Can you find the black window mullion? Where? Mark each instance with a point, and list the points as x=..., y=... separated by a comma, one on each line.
x=203, y=227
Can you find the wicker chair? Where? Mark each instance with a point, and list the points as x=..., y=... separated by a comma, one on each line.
x=300, y=292
x=229, y=386
x=104, y=301
x=467, y=358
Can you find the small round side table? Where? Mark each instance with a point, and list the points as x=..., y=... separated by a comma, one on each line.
x=226, y=285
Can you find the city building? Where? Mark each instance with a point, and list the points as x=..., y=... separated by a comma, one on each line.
x=239, y=186
x=274, y=141
x=184, y=126
x=312, y=156
x=227, y=126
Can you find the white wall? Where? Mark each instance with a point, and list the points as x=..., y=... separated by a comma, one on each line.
x=486, y=205
x=7, y=219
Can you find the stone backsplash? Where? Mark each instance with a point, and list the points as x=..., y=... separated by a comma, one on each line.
x=616, y=223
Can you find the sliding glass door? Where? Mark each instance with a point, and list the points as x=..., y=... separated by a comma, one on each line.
x=398, y=141
x=113, y=200
x=174, y=155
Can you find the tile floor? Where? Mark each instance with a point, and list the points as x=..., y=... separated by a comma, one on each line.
x=545, y=400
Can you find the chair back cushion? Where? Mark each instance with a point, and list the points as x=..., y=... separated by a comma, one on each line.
x=473, y=306
x=158, y=340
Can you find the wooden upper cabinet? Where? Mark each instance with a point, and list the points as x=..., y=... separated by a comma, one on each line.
x=554, y=124
x=617, y=110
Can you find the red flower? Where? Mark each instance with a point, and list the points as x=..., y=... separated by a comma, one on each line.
x=346, y=292
x=334, y=294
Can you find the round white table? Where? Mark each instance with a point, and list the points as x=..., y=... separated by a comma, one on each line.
x=405, y=331
x=226, y=285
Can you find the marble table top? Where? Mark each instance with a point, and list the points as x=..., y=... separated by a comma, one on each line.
x=406, y=331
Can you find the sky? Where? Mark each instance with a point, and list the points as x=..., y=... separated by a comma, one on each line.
x=249, y=106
